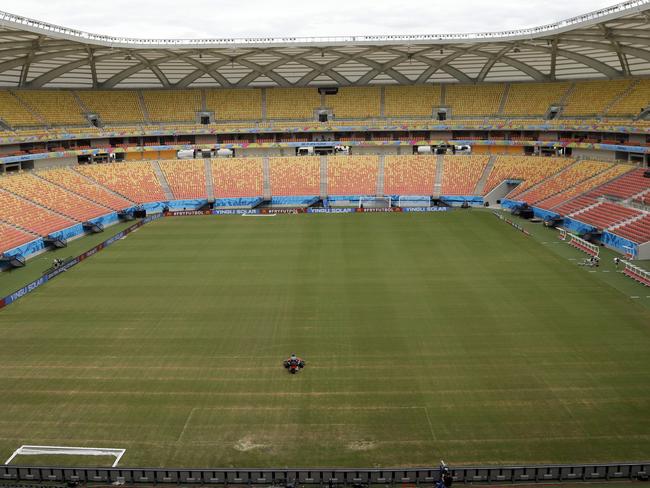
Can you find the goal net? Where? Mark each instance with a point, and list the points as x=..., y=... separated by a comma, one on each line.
x=67, y=451
x=375, y=202
x=414, y=201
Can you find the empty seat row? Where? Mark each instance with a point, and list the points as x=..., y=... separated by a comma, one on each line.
x=606, y=215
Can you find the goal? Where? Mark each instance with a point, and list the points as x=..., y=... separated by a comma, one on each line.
x=67, y=451
x=375, y=202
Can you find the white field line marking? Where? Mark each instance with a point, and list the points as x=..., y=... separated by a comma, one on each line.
x=187, y=422
x=433, y=434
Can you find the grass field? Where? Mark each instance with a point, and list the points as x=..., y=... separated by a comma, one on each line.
x=427, y=336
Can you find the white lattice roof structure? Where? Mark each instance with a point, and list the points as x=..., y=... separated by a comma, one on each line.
x=609, y=43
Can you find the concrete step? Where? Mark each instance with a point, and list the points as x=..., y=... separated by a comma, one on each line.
x=162, y=180
x=323, y=176
x=380, y=176
x=97, y=183
x=480, y=186
x=440, y=168
x=208, y=178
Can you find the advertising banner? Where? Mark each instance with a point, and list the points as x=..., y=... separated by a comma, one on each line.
x=426, y=209
x=235, y=212
x=187, y=213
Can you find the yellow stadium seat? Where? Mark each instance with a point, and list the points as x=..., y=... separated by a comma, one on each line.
x=533, y=99
x=292, y=103
x=57, y=107
x=409, y=175
x=400, y=101
x=186, y=178
x=113, y=106
x=237, y=177
x=134, y=180
x=591, y=98
x=237, y=104
x=352, y=175
x=471, y=100
x=295, y=176
x=462, y=173
x=530, y=169
x=355, y=102
x=52, y=196
x=172, y=105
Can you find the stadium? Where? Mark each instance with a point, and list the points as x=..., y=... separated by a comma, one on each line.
x=451, y=231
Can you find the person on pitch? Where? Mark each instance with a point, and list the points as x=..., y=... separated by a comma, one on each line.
x=294, y=363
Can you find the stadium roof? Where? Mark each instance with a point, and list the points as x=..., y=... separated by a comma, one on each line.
x=610, y=43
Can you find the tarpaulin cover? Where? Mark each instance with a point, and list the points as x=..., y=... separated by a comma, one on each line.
x=474, y=200
x=106, y=220
x=346, y=198
x=577, y=226
x=619, y=243
x=68, y=233
x=27, y=249
x=304, y=201
x=509, y=204
x=238, y=202
x=540, y=213
x=187, y=204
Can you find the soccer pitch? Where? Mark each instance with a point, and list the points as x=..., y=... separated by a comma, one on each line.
x=426, y=336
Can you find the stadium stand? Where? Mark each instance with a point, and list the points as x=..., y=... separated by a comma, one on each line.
x=461, y=174
x=409, y=175
x=134, y=180
x=613, y=172
x=591, y=98
x=291, y=103
x=16, y=114
x=74, y=182
x=172, y=105
x=472, y=100
x=605, y=214
x=52, y=196
x=637, y=231
x=113, y=106
x=355, y=102
x=416, y=101
x=633, y=102
x=352, y=175
x=234, y=105
x=186, y=178
x=573, y=175
x=237, y=177
x=29, y=216
x=531, y=170
x=11, y=237
x=533, y=99
x=57, y=107
x=627, y=186
x=295, y=176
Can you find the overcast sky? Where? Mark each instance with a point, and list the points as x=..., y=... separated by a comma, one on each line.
x=260, y=18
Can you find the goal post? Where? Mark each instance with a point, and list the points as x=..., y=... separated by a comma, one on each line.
x=375, y=202
x=67, y=451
